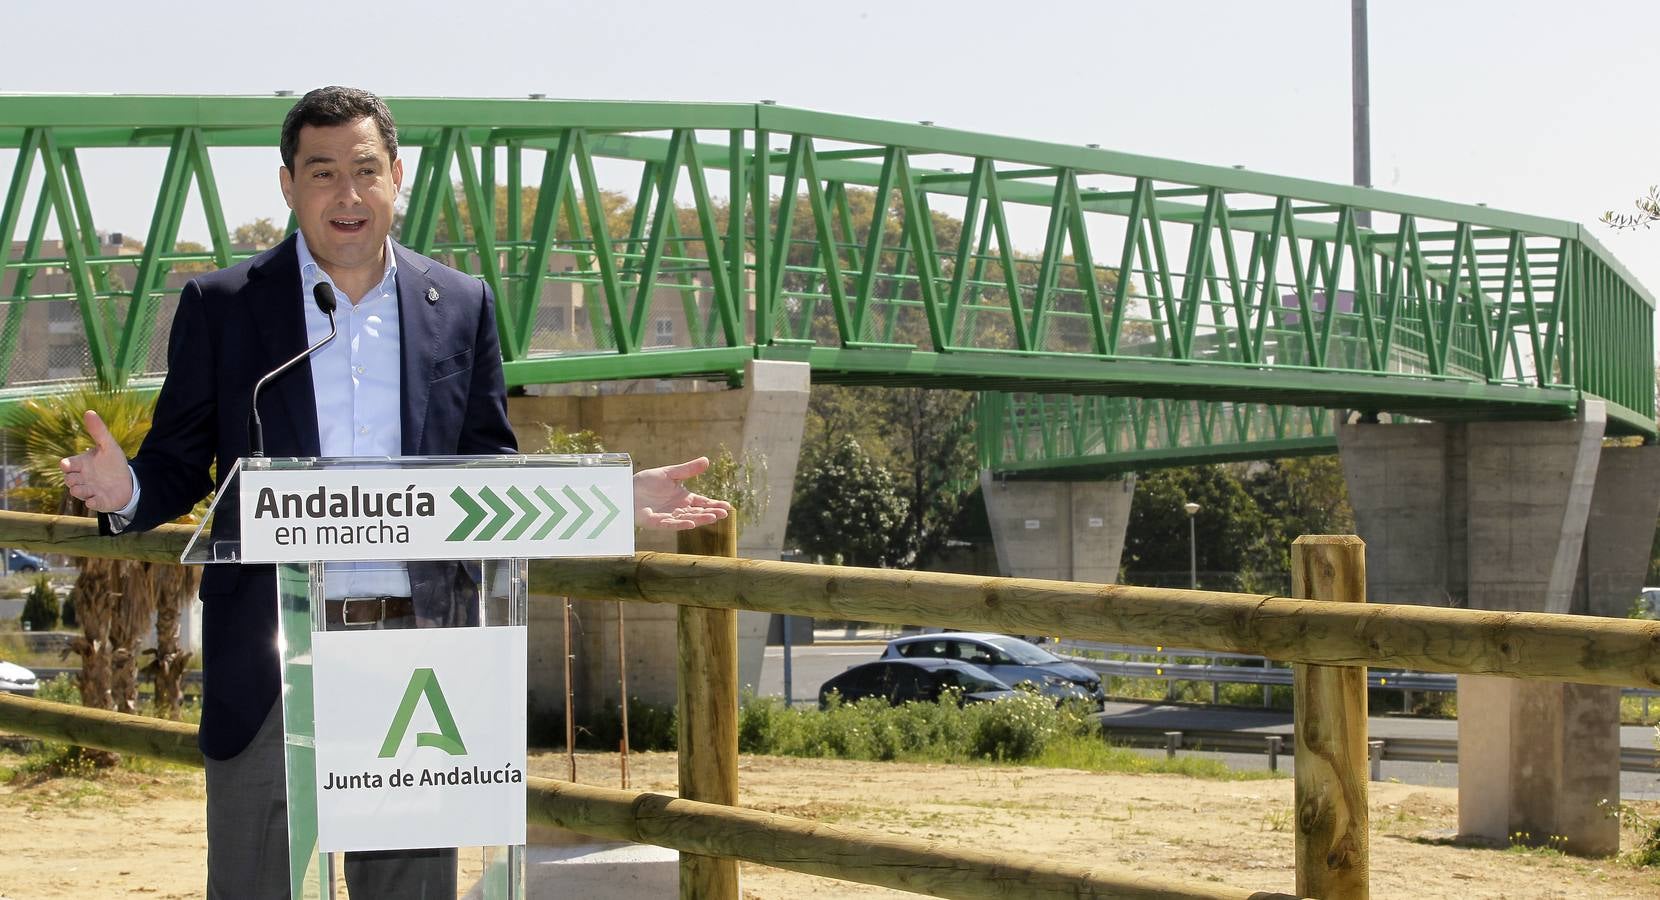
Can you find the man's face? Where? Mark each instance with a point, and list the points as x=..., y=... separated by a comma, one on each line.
x=342, y=190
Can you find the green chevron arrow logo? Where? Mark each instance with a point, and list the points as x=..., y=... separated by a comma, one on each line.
x=530, y=514
x=584, y=511
x=515, y=515
x=475, y=515
x=556, y=512
x=504, y=513
x=610, y=512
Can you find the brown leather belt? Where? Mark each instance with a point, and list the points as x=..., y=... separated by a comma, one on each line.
x=366, y=610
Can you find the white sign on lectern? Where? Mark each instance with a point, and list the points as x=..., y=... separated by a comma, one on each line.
x=420, y=741
x=375, y=513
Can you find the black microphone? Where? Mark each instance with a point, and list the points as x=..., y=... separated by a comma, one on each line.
x=323, y=293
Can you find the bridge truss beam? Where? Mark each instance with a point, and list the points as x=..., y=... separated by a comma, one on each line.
x=881, y=253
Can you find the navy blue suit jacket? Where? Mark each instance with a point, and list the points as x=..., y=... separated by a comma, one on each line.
x=233, y=326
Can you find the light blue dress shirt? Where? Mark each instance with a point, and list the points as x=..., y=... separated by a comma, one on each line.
x=355, y=380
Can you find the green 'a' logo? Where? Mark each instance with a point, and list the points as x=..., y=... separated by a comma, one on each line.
x=447, y=738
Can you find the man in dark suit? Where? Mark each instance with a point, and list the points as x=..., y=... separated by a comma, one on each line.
x=415, y=370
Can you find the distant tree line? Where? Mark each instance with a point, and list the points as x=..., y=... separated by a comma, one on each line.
x=1249, y=513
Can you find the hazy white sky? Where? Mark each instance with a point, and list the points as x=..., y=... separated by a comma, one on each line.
x=1534, y=106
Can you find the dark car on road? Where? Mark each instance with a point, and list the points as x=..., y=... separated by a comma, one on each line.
x=18, y=561
x=903, y=681
x=1008, y=659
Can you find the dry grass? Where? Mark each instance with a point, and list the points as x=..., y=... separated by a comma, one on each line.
x=140, y=833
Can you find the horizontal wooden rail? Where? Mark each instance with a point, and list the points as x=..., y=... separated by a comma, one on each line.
x=849, y=854
x=173, y=742
x=78, y=536
x=1586, y=649
x=707, y=829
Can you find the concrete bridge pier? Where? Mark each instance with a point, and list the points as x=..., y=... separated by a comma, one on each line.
x=1060, y=530
x=1514, y=516
x=764, y=418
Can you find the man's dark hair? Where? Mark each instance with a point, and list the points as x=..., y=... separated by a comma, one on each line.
x=328, y=106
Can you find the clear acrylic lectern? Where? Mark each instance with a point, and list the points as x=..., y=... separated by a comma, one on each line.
x=401, y=591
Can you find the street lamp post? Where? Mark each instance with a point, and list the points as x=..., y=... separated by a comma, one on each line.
x=1192, y=545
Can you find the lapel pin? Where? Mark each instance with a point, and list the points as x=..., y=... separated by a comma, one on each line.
x=432, y=295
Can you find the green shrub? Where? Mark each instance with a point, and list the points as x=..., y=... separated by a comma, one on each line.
x=1012, y=730
x=1647, y=852
x=650, y=727
x=1027, y=729
x=556, y=439
x=1019, y=728
x=40, y=608
x=62, y=689
x=53, y=760
x=743, y=483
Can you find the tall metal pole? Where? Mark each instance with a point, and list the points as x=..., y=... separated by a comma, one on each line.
x=622, y=689
x=1192, y=510
x=570, y=694
x=1362, y=104
x=1192, y=554
x=789, y=662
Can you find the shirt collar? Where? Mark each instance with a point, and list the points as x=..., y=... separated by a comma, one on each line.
x=312, y=274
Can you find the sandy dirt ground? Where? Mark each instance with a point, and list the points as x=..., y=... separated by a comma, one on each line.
x=140, y=833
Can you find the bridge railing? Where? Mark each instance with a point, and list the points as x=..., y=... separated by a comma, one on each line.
x=1330, y=644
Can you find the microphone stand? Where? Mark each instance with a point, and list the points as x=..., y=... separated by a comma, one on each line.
x=323, y=294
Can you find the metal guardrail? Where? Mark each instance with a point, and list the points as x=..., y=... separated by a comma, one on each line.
x=1394, y=749
x=1239, y=668
x=1245, y=674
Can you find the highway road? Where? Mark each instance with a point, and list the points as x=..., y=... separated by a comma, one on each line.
x=814, y=663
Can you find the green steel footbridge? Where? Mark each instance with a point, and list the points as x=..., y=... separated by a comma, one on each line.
x=1116, y=311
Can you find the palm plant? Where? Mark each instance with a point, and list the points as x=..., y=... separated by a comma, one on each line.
x=174, y=586
x=115, y=599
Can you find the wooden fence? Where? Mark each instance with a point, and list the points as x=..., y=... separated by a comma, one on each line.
x=1330, y=643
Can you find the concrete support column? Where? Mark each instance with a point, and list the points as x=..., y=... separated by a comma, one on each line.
x=1060, y=530
x=765, y=419
x=1530, y=486
x=1517, y=517
x=1406, y=486
x=1620, y=533
x=1535, y=758
x=1618, y=537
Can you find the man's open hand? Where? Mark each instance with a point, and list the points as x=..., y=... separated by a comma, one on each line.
x=99, y=477
x=662, y=501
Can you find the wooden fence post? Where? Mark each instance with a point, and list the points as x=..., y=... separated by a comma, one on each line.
x=1331, y=753
x=708, y=729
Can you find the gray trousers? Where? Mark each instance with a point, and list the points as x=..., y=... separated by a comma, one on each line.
x=247, y=827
